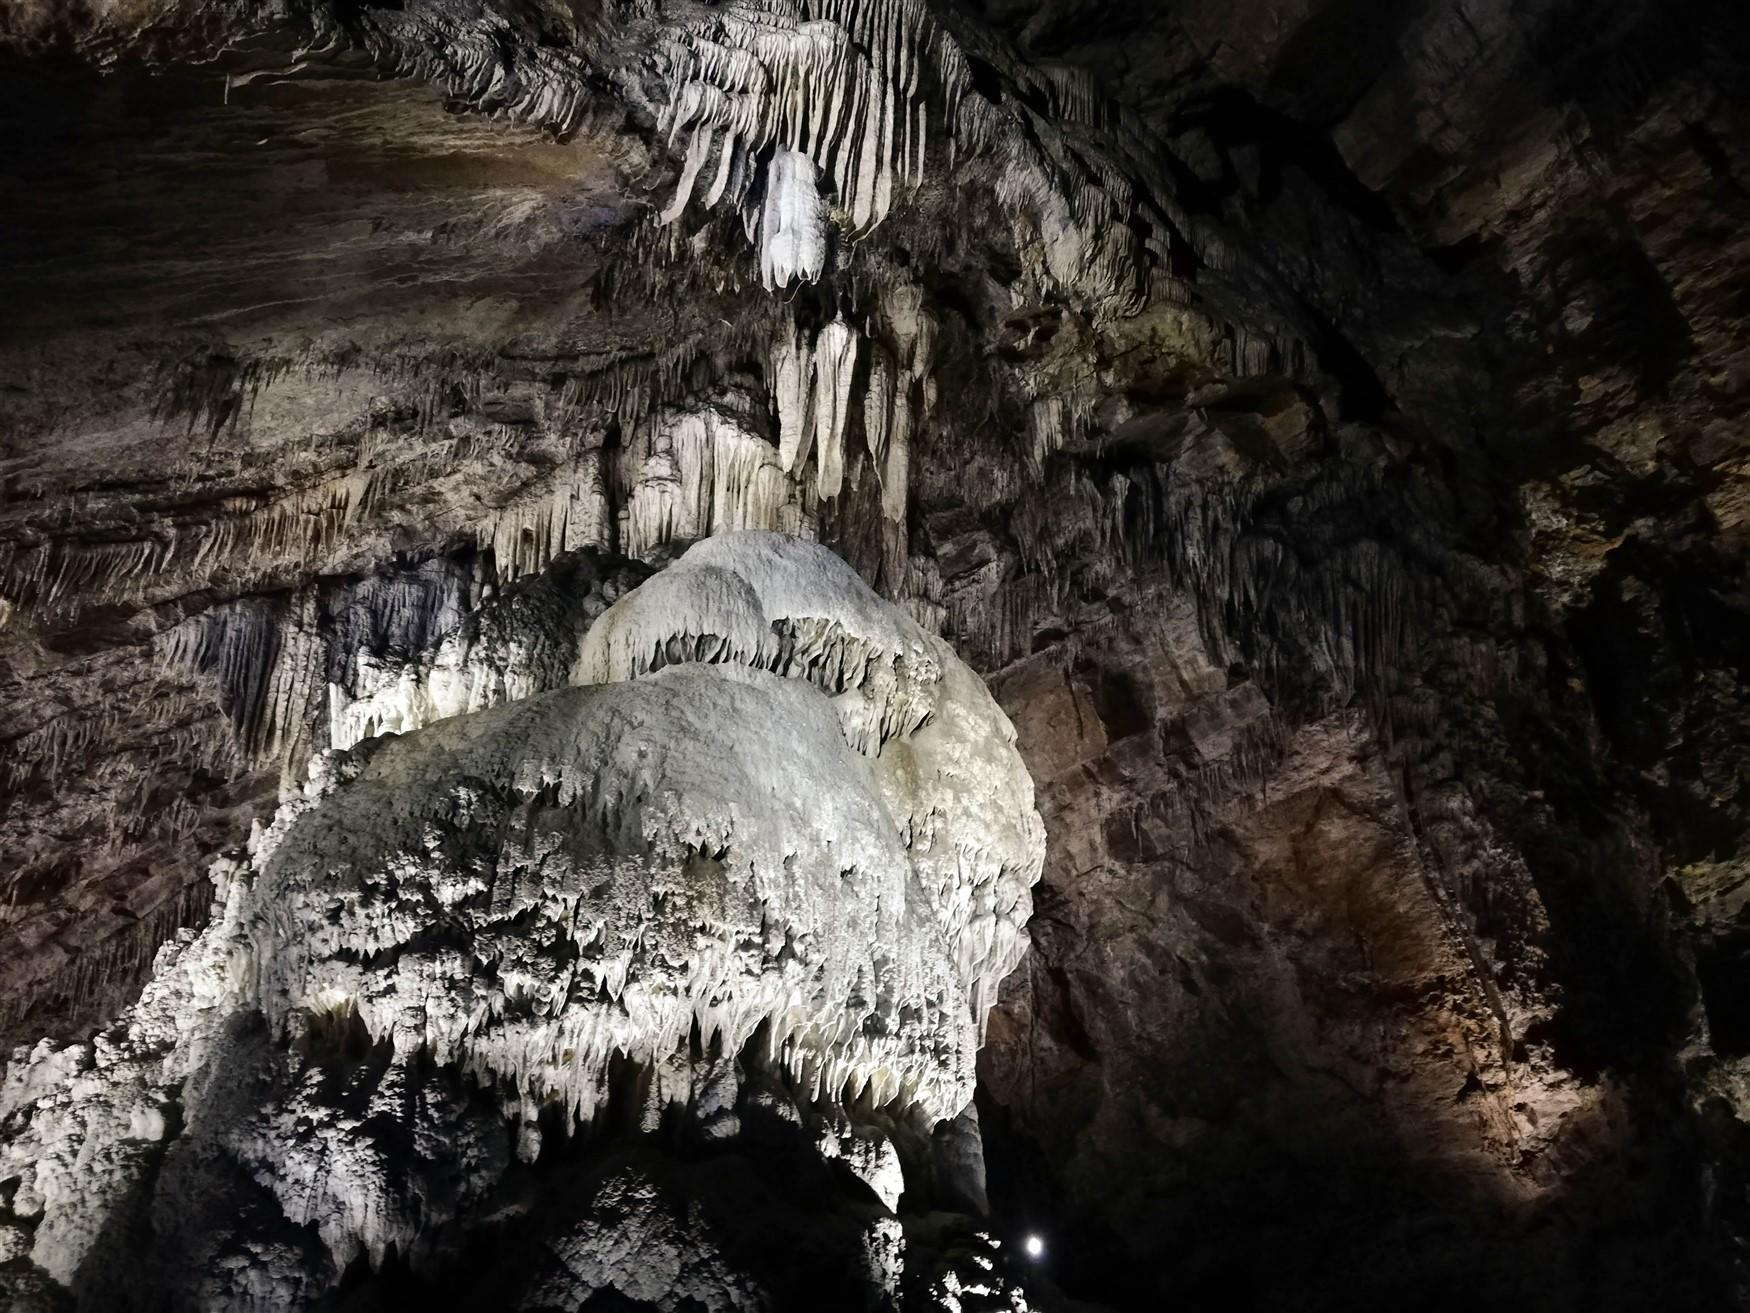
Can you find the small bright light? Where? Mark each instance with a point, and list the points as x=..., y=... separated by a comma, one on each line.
x=1035, y=1246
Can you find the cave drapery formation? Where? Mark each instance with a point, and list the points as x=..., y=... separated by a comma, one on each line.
x=504, y=512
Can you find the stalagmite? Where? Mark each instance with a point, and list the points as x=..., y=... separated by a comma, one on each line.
x=777, y=815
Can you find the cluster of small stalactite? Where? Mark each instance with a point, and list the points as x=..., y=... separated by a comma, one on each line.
x=161, y=547
x=813, y=118
x=781, y=98
x=104, y=973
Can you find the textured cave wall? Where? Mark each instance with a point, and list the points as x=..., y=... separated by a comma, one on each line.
x=1244, y=963
x=1558, y=195
x=1371, y=601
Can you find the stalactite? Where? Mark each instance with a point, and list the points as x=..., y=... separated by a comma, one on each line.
x=565, y=511
x=546, y=84
x=838, y=87
x=265, y=657
x=750, y=490
x=424, y=644
x=878, y=403
x=896, y=468
x=835, y=363
x=792, y=386
x=113, y=965
x=792, y=231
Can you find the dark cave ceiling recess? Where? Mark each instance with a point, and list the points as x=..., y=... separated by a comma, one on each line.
x=1323, y=427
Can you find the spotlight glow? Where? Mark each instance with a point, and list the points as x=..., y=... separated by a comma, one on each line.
x=1035, y=1246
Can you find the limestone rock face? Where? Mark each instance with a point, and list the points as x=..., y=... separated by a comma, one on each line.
x=631, y=897
x=1240, y=954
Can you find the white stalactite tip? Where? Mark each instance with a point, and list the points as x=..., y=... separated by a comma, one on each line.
x=793, y=222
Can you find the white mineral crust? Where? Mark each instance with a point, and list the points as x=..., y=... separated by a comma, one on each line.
x=772, y=817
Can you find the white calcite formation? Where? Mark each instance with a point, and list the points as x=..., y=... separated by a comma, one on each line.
x=792, y=379
x=815, y=116
x=518, y=643
x=792, y=223
x=529, y=891
x=840, y=93
x=690, y=473
x=770, y=826
x=814, y=399
x=835, y=361
x=942, y=750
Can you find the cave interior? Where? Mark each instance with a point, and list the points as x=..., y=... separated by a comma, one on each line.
x=969, y=655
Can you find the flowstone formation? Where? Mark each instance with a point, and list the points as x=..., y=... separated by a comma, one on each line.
x=745, y=883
